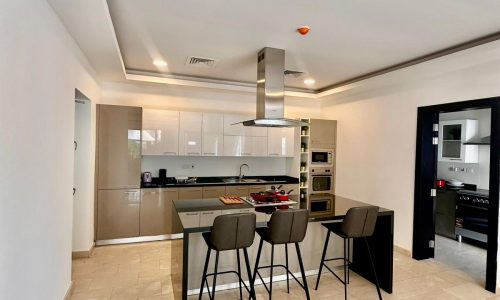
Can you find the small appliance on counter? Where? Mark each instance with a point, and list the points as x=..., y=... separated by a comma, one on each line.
x=440, y=183
x=147, y=177
x=162, y=176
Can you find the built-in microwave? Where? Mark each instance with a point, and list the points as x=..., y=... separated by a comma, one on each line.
x=321, y=180
x=321, y=204
x=321, y=157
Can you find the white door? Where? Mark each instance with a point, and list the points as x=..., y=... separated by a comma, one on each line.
x=160, y=132
x=212, y=140
x=190, y=133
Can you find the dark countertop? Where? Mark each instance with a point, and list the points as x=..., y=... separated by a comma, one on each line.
x=338, y=207
x=468, y=189
x=218, y=181
x=205, y=205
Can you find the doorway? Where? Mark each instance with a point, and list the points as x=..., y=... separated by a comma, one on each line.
x=82, y=176
x=434, y=160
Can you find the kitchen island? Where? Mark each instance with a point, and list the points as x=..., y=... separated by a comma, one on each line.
x=196, y=217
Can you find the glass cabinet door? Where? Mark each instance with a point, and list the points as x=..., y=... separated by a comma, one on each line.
x=452, y=141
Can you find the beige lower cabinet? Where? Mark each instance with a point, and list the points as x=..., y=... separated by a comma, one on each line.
x=118, y=213
x=213, y=191
x=188, y=193
x=157, y=211
x=237, y=190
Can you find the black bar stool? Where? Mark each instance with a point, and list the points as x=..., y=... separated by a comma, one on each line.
x=229, y=232
x=285, y=227
x=359, y=222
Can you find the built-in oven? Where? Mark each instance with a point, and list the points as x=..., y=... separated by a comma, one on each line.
x=471, y=218
x=321, y=204
x=321, y=157
x=321, y=180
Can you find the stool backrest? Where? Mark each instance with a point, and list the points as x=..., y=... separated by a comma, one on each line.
x=233, y=231
x=288, y=226
x=360, y=221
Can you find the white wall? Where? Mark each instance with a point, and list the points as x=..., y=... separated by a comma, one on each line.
x=377, y=126
x=480, y=174
x=40, y=67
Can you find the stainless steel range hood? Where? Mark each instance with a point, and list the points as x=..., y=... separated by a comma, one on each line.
x=271, y=91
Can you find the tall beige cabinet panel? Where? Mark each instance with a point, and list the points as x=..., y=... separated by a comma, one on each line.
x=157, y=213
x=118, y=171
x=323, y=134
x=119, y=147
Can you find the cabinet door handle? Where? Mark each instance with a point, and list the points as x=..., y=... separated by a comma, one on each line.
x=192, y=214
x=274, y=154
x=169, y=153
x=193, y=153
x=208, y=153
x=246, y=153
x=129, y=193
x=207, y=213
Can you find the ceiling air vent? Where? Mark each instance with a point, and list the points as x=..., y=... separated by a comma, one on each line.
x=293, y=74
x=201, y=62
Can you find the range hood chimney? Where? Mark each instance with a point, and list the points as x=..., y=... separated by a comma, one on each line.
x=271, y=91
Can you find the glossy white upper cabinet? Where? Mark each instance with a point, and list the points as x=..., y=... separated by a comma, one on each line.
x=212, y=139
x=255, y=131
x=233, y=145
x=190, y=133
x=160, y=132
x=237, y=129
x=255, y=146
x=280, y=142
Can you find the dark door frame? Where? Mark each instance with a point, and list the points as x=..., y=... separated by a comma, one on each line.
x=425, y=179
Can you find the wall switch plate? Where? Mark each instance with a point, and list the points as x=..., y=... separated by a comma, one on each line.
x=187, y=166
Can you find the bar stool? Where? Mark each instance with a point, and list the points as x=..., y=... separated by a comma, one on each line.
x=229, y=232
x=285, y=227
x=359, y=222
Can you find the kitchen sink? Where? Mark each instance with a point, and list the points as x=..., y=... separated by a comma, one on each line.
x=243, y=180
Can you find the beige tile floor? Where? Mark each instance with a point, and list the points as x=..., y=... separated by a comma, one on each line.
x=145, y=271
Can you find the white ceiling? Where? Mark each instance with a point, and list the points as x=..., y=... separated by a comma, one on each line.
x=347, y=38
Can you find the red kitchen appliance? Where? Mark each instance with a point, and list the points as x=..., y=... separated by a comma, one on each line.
x=440, y=183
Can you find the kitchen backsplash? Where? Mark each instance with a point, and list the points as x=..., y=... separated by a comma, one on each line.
x=477, y=174
x=214, y=166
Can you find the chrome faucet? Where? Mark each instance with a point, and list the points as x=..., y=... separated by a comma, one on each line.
x=241, y=174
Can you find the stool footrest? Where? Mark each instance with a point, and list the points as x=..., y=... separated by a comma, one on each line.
x=331, y=271
x=229, y=272
x=281, y=266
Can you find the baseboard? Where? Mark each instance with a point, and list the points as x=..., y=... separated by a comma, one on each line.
x=69, y=291
x=402, y=251
x=83, y=254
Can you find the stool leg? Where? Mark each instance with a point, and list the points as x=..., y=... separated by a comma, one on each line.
x=322, y=259
x=345, y=270
x=348, y=259
x=215, y=273
x=255, y=270
x=373, y=268
x=287, y=270
x=207, y=259
x=239, y=272
x=249, y=272
x=302, y=270
x=271, y=278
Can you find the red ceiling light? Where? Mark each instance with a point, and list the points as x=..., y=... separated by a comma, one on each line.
x=303, y=30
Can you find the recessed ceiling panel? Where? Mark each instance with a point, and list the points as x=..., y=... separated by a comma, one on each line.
x=347, y=38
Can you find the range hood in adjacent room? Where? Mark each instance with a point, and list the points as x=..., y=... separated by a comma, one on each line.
x=271, y=91
x=482, y=141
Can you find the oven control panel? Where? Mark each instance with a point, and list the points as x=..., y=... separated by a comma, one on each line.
x=473, y=200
